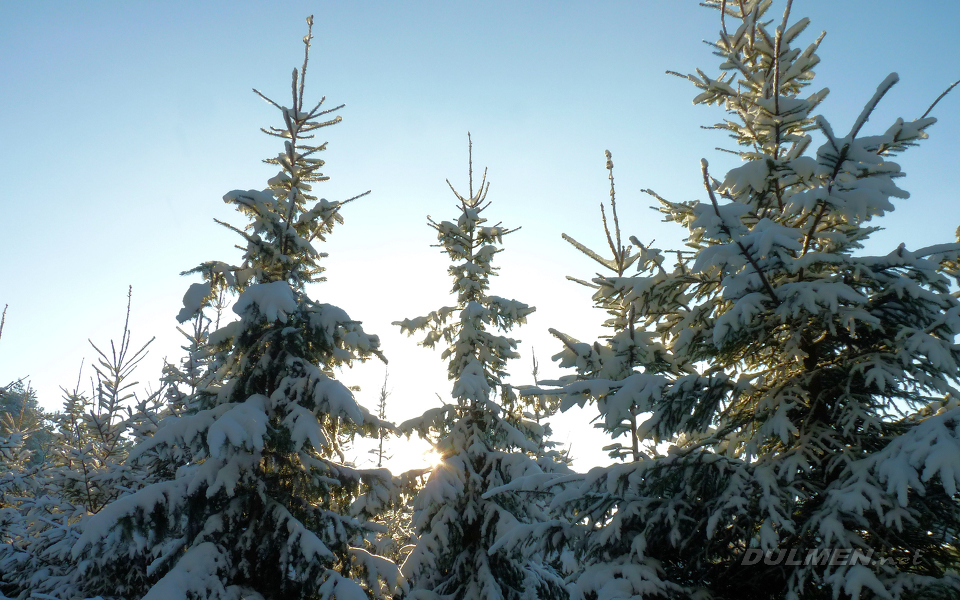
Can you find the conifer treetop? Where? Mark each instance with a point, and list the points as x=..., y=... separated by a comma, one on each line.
x=628, y=346
x=477, y=357
x=286, y=218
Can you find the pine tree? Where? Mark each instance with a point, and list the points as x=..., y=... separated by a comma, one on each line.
x=808, y=391
x=183, y=379
x=20, y=412
x=94, y=431
x=20, y=422
x=380, y=452
x=485, y=441
x=18, y=487
x=84, y=470
x=628, y=349
x=586, y=529
x=392, y=540
x=257, y=499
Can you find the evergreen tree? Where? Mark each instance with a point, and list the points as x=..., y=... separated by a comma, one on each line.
x=183, y=379
x=808, y=391
x=16, y=460
x=256, y=499
x=587, y=529
x=20, y=419
x=629, y=348
x=94, y=432
x=393, y=538
x=485, y=441
x=21, y=415
x=83, y=471
x=380, y=451
x=18, y=487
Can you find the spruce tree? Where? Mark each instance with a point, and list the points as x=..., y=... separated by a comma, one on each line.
x=628, y=348
x=84, y=470
x=393, y=538
x=183, y=378
x=807, y=391
x=485, y=440
x=20, y=411
x=94, y=430
x=584, y=528
x=256, y=498
x=18, y=487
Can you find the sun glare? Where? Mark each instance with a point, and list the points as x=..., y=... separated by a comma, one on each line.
x=432, y=458
x=412, y=454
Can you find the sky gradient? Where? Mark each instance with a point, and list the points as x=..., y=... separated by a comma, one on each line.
x=125, y=123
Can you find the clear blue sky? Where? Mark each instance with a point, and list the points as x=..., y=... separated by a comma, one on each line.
x=124, y=123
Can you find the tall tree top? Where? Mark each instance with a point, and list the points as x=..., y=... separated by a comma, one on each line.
x=477, y=356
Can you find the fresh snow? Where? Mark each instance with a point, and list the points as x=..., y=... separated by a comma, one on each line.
x=274, y=301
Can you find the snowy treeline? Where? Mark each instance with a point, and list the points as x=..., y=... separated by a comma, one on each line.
x=769, y=392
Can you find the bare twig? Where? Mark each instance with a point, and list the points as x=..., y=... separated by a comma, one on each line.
x=613, y=205
x=723, y=23
x=382, y=414
x=306, y=53
x=940, y=97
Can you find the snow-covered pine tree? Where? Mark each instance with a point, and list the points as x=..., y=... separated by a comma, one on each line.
x=20, y=421
x=394, y=535
x=16, y=460
x=82, y=472
x=812, y=403
x=18, y=486
x=94, y=431
x=259, y=502
x=20, y=410
x=629, y=348
x=483, y=437
x=183, y=378
x=541, y=407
